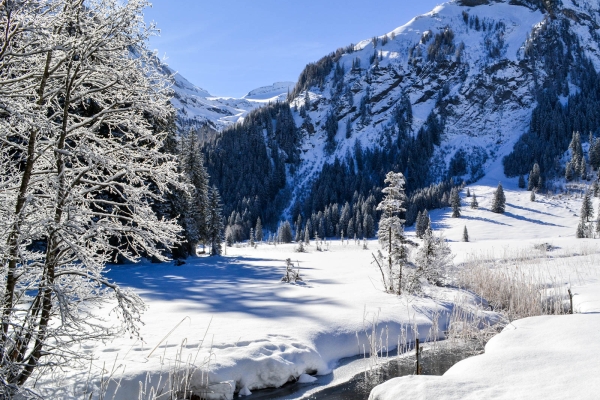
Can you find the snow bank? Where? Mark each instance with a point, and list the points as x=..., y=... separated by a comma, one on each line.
x=548, y=357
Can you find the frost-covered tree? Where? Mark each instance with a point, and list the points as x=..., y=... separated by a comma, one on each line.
x=391, y=229
x=307, y=234
x=499, y=200
x=214, y=222
x=532, y=196
x=419, y=225
x=534, y=178
x=285, y=232
x=474, y=203
x=433, y=257
x=191, y=162
x=78, y=97
x=422, y=223
x=587, y=209
x=258, y=231
x=455, y=202
x=465, y=237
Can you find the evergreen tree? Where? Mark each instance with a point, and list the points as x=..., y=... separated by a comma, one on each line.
x=391, y=229
x=598, y=222
x=522, y=182
x=569, y=172
x=474, y=203
x=368, y=226
x=465, y=237
x=499, y=200
x=284, y=232
x=307, y=234
x=534, y=177
x=583, y=170
x=532, y=197
x=419, y=230
x=594, y=154
x=214, y=222
x=595, y=188
x=251, y=240
x=432, y=259
x=258, y=231
x=587, y=209
x=581, y=228
x=468, y=192
x=455, y=202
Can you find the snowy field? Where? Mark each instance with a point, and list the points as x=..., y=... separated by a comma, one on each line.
x=234, y=320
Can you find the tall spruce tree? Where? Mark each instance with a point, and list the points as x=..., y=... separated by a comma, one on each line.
x=521, y=182
x=587, y=209
x=455, y=202
x=534, y=177
x=474, y=203
x=499, y=200
x=465, y=237
x=191, y=162
x=214, y=222
x=258, y=231
x=391, y=229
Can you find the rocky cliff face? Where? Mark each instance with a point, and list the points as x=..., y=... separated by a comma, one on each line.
x=449, y=94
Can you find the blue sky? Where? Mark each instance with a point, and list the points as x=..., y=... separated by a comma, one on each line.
x=230, y=47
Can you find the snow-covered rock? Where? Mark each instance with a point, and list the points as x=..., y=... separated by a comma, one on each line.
x=275, y=92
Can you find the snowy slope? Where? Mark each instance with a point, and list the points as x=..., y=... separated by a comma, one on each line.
x=484, y=89
x=275, y=92
x=263, y=332
x=198, y=108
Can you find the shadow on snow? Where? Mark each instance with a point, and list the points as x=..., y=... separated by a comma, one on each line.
x=217, y=284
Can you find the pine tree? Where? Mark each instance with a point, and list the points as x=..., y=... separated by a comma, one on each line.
x=465, y=237
x=432, y=259
x=595, y=188
x=583, y=169
x=258, y=231
x=419, y=225
x=522, y=181
x=307, y=234
x=455, y=202
x=215, y=222
x=251, y=240
x=598, y=222
x=534, y=177
x=468, y=192
x=499, y=200
x=192, y=165
x=391, y=228
x=586, y=207
x=532, y=197
x=569, y=172
x=474, y=203
x=285, y=232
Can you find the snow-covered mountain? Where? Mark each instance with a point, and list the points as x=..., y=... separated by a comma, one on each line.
x=452, y=91
x=277, y=91
x=198, y=108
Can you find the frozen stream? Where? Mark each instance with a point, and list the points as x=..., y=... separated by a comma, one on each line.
x=354, y=378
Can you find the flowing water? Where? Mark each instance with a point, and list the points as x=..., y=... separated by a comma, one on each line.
x=435, y=360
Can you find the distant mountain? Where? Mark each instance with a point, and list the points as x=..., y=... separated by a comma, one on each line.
x=197, y=108
x=471, y=86
x=275, y=92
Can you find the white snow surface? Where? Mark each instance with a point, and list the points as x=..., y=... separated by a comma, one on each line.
x=197, y=106
x=542, y=357
x=264, y=333
x=275, y=92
